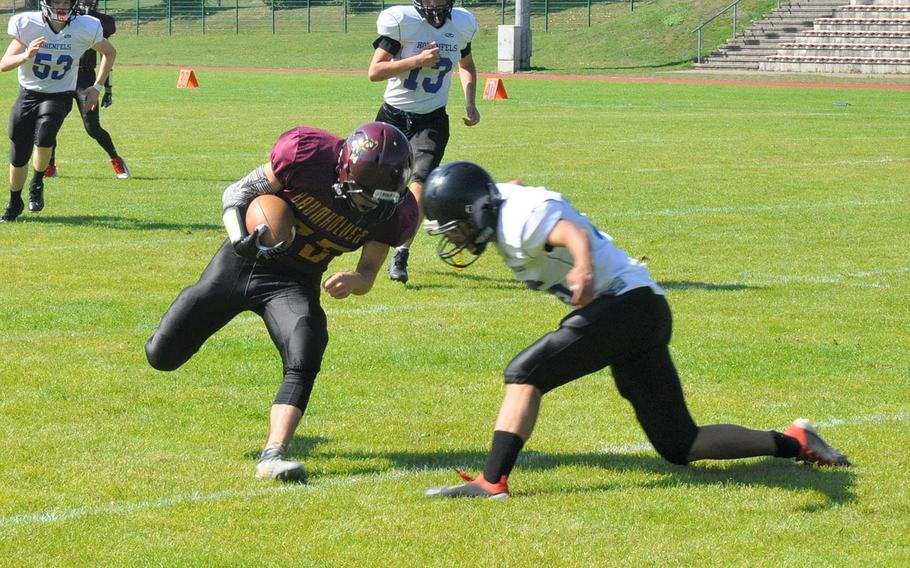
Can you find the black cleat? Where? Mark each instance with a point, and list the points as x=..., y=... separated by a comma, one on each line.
x=13, y=210
x=398, y=265
x=36, y=197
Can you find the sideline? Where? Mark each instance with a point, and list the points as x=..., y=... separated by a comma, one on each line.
x=118, y=508
x=547, y=77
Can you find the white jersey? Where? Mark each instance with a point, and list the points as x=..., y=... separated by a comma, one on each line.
x=423, y=90
x=56, y=65
x=526, y=218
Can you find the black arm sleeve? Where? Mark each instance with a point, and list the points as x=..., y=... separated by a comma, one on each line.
x=466, y=51
x=388, y=44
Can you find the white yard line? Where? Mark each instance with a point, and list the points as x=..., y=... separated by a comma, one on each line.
x=119, y=508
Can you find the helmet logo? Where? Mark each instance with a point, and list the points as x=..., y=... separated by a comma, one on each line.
x=362, y=146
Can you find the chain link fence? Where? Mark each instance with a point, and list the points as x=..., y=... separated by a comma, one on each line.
x=294, y=16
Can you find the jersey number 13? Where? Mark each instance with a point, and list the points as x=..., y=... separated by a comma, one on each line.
x=444, y=65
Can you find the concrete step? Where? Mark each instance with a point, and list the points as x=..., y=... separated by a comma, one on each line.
x=905, y=48
x=728, y=65
x=836, y=36
x=880, y=3
x=883, y=11
x=849, y=53
x=750, y=49
x=863, y=24
x=810, y=65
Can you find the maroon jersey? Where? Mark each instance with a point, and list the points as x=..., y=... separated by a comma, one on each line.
x=305, y=161
x=89, y=59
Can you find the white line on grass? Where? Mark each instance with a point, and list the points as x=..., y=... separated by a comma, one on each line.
x=115, y=508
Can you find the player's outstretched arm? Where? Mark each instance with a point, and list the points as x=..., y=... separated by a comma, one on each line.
x=467, y=73
x=358, y=282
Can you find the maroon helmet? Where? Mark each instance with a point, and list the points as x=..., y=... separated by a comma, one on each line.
x=374, y=167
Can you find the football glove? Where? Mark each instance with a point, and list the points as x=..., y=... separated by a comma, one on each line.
x=108, y=98
x=250, y=247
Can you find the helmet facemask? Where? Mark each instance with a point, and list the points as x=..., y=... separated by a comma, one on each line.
x=53, y=10
x=471, y=235
x=435, y=12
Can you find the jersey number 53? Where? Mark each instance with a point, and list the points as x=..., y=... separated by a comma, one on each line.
x=43, y=62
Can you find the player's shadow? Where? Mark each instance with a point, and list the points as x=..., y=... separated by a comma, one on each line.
x=120, y=223
x=694, y=285
x=836, y=484
x=461, y=279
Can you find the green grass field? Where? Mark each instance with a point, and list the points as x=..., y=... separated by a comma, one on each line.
x=776, y=221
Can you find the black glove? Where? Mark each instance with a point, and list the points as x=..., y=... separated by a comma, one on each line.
x=108, y=98
x=249, y=246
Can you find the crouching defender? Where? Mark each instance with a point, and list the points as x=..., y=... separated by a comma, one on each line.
x=621, y=320
x=344, y=194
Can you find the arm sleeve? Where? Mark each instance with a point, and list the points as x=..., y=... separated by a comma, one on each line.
x=466, y=51
x=387, y=44
x=539, y=225
x=243, y=191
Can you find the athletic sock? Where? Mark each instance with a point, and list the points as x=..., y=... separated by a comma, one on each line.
x=785, y=446
x=503, y=453
x=37, y=177
x=15, y=196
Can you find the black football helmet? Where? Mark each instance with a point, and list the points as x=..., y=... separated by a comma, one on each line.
x=374, y=168
x=435, y=12
x=59, y=10
x=86, y=6
x=463, y=200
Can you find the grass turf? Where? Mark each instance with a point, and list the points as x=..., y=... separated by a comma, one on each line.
x=775, y=220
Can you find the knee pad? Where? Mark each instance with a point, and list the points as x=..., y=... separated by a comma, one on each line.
x=46, y=131
x=296, y=387
x=161, y=357
x=673, y=448
x=20, y=151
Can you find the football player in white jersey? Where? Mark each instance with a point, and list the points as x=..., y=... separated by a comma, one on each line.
x=417, y=51
x=46, y=47
x=621, y=320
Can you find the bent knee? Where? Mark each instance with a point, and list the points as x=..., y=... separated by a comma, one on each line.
x=161, y=358
x=675, y=447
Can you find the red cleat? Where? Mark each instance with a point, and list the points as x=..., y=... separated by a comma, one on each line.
x=812, y=448
x=120, y=168
x=50, y=171
x=475, y=487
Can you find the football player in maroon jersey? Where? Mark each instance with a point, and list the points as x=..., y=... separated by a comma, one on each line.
x=345, y=195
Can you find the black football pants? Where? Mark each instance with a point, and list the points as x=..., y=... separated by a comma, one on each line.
x=229, y=285
x=629, y=333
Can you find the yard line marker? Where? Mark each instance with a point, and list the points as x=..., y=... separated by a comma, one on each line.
x=54, y=516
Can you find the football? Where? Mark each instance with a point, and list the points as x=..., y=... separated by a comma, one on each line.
x=275, y=214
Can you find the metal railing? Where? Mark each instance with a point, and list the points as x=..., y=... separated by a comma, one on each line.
x=711, y=19
x=291, y=16
x=698, y=58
